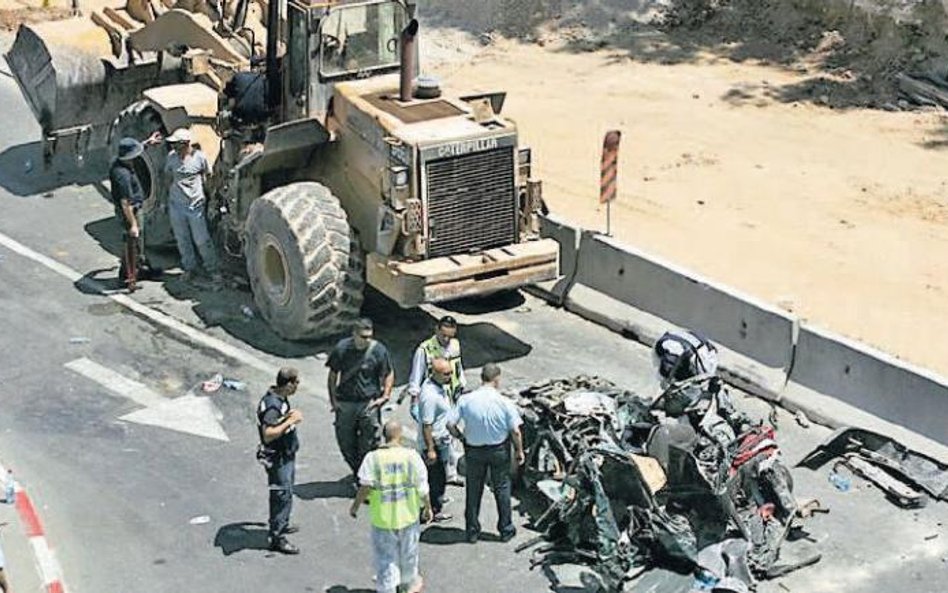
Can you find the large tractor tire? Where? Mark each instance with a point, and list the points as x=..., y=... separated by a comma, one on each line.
x=139, y=121
x=306, y=267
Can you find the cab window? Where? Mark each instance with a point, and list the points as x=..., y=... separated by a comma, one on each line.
x=360, y=38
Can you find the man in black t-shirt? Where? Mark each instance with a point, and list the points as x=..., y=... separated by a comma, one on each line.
x=128, y=197
x=360, y=383
x=276, y=422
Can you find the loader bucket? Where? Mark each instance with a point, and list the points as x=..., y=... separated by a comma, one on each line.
x=70, y=80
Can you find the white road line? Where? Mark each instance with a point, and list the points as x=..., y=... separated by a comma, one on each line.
x=194, y=335
x=49, y=568
x=61, y=269
x=116, y=382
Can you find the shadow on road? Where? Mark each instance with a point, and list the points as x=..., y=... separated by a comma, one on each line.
x=444, y=536
x=23, y=174
x=344, y=589
x=241, y=536
x=341, y=488
x=501, y=301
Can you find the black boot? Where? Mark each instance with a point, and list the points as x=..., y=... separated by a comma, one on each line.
x=282, y=546
x=149, y=272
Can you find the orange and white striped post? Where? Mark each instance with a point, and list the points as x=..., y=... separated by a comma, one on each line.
x=609, y=172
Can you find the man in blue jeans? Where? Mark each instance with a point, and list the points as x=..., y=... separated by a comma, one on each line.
x=188, y=166
x=434, y=408
x=490, y=422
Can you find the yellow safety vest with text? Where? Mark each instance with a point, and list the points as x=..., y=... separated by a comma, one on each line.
x=434, y=349
x=394, y=501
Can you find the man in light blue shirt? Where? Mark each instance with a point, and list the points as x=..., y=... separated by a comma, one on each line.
x=435, y=407
x=443, y=344
x=490, y=422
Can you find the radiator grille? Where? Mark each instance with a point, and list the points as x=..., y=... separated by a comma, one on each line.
x=471, y=202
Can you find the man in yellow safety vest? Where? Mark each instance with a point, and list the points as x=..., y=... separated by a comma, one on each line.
x=394, y=480
x=443, y=344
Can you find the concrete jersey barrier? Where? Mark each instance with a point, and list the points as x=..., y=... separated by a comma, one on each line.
x=875, y=382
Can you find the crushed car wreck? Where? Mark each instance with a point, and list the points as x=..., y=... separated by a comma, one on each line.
x=620, y=483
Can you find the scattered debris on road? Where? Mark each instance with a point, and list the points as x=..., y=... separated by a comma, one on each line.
x=79, y=340
x=839, y=481
x=617, y=482
x=234, y=384
x=900, y=472
x=213, y=384
x=802, y=419
x=200, y=520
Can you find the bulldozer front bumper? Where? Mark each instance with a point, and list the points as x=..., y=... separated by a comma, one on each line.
x=455, y=276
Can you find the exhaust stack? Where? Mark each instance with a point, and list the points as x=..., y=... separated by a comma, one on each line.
x=274, y=82
x=407, y=59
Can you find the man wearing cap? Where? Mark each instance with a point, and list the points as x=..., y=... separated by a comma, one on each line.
x=187, y=165
x=128, y=197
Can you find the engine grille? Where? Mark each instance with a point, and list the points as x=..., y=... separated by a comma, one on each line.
x=471, y=202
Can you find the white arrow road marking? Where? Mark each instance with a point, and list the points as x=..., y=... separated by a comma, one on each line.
x=188, y=414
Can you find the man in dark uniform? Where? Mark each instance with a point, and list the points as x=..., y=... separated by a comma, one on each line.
x=360, y=383
x=276, y=422
x=128, y=196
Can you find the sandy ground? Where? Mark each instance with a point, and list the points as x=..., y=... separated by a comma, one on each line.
x=14, y=12
x=840, y=217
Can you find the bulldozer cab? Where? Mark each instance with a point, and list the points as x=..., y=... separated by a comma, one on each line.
x=327, y=45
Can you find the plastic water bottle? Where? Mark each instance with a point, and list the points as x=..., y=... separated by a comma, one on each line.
x=841, y=482
x=10, y=488
x=234, y=384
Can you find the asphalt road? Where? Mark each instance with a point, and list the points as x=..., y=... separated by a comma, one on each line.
x=117, y=496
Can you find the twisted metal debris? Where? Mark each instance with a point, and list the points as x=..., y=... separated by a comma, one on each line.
x=620, y=483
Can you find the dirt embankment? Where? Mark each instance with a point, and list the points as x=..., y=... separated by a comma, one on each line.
x=852, y=52
x=13, y=13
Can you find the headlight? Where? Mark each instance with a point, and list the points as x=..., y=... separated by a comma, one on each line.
x=399, y=177
x=534, y=196
x=524, y=158
x=414, y=221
